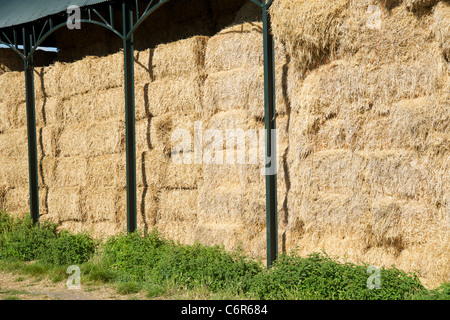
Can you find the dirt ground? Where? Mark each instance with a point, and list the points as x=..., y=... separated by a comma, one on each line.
x=23, y=287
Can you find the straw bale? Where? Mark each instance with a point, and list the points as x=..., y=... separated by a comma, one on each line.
x=310, y=29
x=93, y=106
x=162, y=130
x=104, y=203
x=366, y=87
x=70, y=140
x=148, y=204
x=14, y=143
x=67, y=79
x=106, y=137
x=70, y=172
x=182, y=176
x=237, y=46
x=17, y=200
x=418, y=124
x=178, y=231
x=223, y=91
x=181, y=95
x=143, y=138
x=178, y=205
x=108, y=170
x=14, y=114
x=234, y=47
x=442, y=27
x=151, y=168
x=47, y=170
x=230, y=235
x=222, y=204
x=65, y=203
x=12, y=86
x=5, y=114
x=13, y=171
x=176, y=59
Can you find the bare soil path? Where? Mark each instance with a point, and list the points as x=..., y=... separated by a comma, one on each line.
x=23, y=287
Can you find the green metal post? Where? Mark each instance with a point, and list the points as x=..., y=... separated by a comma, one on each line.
x=31, y=126
x=128, y=47
x=270, y=126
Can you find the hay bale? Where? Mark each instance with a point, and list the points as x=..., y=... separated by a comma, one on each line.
x=310, y=29
x=178, y=205
x=172, y=60
x=223, y=91
x=231, y=236
x=441, y=27
x=12, y=85
x=162, y=130
x=93, y=106
x=16, y=201
x=177, y=214
x=14, y=114
x=78, y=139
x=70, y=172
x=14, y=143
x=104, y=203
x=70, y=140
x=13, y=171
x=179, y=96
x=234, y=47
x=65, y=203
x=148, y=202
x=67, y=79
x=106, y=137
x=108, y=170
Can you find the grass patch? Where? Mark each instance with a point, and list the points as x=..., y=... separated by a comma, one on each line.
x=135, y=262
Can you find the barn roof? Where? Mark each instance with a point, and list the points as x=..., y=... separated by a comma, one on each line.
x=16, y=12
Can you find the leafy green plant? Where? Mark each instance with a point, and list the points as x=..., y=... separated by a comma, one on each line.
x=203, y=265
x=320, y=277
x=23, y=239
x=69, y=249
x=134, y=253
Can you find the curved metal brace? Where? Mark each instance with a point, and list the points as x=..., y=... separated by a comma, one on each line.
x=145, y=16
x=14, y=49
x=259, y=4
x=61, y=25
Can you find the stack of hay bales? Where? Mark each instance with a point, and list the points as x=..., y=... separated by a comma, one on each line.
x=232, y=197
x=363, y=134
x=168, y=98
x=368, y=135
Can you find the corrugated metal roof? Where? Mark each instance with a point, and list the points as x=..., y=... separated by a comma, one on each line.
x=15, y=12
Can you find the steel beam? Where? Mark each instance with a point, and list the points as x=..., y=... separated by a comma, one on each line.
x=270, y=126
x=31, y=125
x=128, y=47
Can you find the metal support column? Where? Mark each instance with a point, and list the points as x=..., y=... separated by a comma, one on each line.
x=31, y=125
x=128, y=47
x=270, y=126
